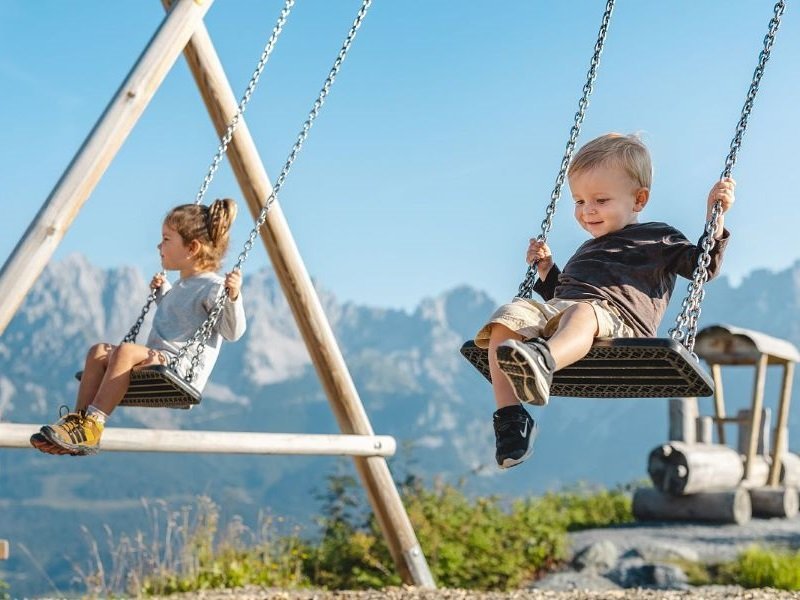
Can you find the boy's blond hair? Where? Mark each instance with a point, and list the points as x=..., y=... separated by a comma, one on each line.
x=616, y=149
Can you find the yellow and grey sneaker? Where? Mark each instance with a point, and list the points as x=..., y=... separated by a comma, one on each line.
x=41, y=443
x=79, y=436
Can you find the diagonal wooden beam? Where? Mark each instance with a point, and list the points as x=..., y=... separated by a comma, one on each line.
x=307, y=309
x=35, y=248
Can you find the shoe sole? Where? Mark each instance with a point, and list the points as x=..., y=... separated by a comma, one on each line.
x=516, y=366
x=513, y=462
x=42, y=444
x=74, y=449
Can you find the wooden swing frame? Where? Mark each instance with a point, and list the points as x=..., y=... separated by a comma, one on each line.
x=183, y=30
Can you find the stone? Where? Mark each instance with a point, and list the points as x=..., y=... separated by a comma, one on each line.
x=567, y=581
x=660, y=552
x=598, y=556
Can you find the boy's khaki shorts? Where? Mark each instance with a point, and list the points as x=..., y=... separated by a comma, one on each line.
x=530, y=319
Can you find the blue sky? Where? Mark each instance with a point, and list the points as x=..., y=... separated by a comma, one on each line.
x=434, y=157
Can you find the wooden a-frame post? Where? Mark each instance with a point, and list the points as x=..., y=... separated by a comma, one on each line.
x=37, y=246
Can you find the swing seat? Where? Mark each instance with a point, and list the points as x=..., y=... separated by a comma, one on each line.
x=622, y=368
x=157, y=386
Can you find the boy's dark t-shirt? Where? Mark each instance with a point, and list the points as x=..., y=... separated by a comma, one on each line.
x=634, y=269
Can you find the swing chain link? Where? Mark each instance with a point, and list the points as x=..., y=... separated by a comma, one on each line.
x=201, y=336
x=301, y=137
x=251, y=86
x=685, y=329
x=130, y=337
x=526, y=287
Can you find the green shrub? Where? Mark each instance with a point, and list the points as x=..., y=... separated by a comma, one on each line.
x=474, y=543
x=578, y=508
x=758, y=567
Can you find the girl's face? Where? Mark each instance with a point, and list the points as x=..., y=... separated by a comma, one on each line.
x=175, y=255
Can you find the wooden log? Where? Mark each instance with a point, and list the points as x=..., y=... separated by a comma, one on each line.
x=306, y=307
x=44, y=234
x=755, y=412
x=759, y=472
x=725, y=506
x=768, y=502
x=790, y=470
x=781, y=427
x=719, y=402
x=683, y=413
x=678, y=469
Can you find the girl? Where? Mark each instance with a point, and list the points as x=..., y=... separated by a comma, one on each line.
x=193, y=241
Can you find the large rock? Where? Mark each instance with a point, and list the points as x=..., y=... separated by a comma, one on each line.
x=598, y=556
x=636, y=573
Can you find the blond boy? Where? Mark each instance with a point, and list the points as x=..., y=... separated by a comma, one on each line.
x=617, y=284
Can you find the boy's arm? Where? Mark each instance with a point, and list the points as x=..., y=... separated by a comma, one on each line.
x=546, y=288
x=682, y=254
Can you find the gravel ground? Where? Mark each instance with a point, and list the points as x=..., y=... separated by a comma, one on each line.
x=252, y=593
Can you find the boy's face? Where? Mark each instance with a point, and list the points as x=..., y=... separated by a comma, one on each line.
x=606, y=199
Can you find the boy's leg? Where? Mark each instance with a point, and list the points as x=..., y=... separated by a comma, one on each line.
x=503, y=392
x=514, y=429
x=529, y=366
x=575, y=335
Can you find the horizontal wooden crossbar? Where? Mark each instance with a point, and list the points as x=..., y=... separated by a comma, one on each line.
x=116, y=439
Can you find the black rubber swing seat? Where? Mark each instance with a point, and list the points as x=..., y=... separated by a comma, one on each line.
x=158, y=386
x=622, y=368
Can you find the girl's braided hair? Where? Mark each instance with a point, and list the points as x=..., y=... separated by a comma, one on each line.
x=208, y=225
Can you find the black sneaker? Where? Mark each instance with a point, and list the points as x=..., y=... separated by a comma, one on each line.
x=514, y=432
x=529, y=368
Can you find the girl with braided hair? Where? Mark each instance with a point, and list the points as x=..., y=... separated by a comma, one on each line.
x=194, y=239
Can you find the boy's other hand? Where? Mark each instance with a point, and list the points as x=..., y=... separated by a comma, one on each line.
x=233, y=283
x=540, y=251
x=722, y=191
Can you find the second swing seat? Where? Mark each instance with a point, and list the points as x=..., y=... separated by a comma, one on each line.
x=622, y=368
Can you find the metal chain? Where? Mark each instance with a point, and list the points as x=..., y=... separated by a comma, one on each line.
x=203, y=333
x=685, y=329
x=223, y=146
x=526, y=287
x=251, y=86
x=130, y=337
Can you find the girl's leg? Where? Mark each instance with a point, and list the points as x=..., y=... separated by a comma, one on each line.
x=117, y=376
x=503, y=392
x=93, y=371
x=575, y=335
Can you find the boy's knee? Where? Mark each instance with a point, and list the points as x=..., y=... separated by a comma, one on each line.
x=500, y=333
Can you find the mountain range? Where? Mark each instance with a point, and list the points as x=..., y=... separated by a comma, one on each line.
x=414, y=384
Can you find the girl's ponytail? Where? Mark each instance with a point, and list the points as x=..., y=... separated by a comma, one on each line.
x=221, y=214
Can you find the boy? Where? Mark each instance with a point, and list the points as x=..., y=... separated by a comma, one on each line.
x=617, y=284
